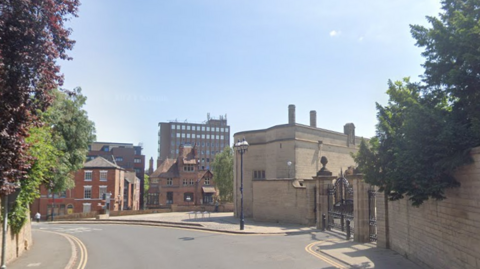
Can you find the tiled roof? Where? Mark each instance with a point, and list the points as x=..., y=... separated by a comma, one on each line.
x=168, y=168
x=100, y=162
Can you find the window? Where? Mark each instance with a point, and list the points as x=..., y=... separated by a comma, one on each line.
x=259, y=174
x=208, y=136
x=137, y=170
x=178, y=134
x=189, y=168
x=87, y=192
x=119, y=159
x=152, y=199
x=154, y=180
x=101, y=191
x=89, y=158
x=169, y=197
x=185, y=182
x=103, y=175
x=87, y=207
x=183, y=127
x=188, y=127
x=203, y=128
x=192, y=182
x=188, y=197
x=208, y=129
x=173, y=127
x=169, y=181
x=207, y=181
x=88, y=175
x=137, y=160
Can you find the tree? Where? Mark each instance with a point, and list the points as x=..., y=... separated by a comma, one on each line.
x=32, y=38
x=428, y=129
x=415, y=151
x=452, y=65
x=72, y=133
x=146, y=186
x=223, y=174
x=58, y=149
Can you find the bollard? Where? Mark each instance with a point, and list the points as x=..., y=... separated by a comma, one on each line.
x=324, y=222
x=348, y=229
x=342, y=222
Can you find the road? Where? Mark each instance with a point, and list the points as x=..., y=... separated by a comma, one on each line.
x=124, y=246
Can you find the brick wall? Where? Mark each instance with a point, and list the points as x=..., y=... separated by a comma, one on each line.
x=438, y=234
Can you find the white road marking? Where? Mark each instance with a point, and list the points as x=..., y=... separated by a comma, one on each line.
x=34, y=264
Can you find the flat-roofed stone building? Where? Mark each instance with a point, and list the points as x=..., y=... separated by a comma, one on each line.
x=280, y=159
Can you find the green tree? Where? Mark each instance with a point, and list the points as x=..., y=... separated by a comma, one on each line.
x=58, y=149
x=146, y=186
x=223, y=174
x=452, y=65
x=427, y=130
x=72, y=132
x=415, y=151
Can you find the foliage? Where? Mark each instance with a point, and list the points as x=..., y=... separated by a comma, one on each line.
x=58, y=149
x=72, y=132
x=452, y=65
x=32, y=37
x=417, y=148
x=146, y=186
x=223, y=174
x=427, y=130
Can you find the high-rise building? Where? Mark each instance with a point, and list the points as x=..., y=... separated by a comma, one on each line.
x=210, y=138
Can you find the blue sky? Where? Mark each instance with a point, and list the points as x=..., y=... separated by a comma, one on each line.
x=144, y=62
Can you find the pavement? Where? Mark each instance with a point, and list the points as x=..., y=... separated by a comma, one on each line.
x=59, y=251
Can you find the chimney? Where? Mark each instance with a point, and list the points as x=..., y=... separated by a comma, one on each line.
x=313, y=118
x=150, y=166
x=349, y=130
x=291, y=114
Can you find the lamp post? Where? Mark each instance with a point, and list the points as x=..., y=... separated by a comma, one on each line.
x=289, y=163
x=242, y=147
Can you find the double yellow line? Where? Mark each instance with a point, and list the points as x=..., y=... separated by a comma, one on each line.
x=83, y=254
x=79, y=251
x=309, y=249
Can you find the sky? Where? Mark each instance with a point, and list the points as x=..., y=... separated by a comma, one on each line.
x=144, y=62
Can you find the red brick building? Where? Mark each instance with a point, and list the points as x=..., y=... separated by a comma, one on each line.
x=180, y=181
x=125, y=155
x=97, y=177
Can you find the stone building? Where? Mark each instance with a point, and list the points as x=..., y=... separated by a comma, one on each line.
x=278, y=162
x=181, y=181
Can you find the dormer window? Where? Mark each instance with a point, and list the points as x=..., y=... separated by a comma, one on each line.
x=189, y=168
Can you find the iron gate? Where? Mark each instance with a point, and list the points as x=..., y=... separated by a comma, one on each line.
x=340, y=205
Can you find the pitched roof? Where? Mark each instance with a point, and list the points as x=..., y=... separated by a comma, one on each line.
x=168, y=168
x=130, y=177
x=101, y=162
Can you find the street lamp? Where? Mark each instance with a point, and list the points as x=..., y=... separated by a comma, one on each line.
x=241, y=147
x=289, y=163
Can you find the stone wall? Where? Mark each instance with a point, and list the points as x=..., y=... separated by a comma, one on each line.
x=282, y=201
x=438, y=234
x=17, y=244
